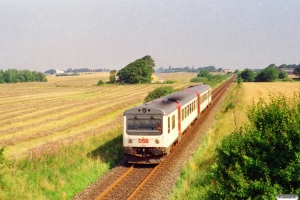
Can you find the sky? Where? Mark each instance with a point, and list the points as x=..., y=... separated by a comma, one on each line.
x=109, y=34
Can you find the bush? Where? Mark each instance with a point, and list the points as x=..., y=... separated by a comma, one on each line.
x=229, y=106
x=262, y=159
x=198, y=79
x=159, y=92
x=170, y=81
x=217, y=79
x=287, y=80
x=282, y=75
x=100, y=82
x=205, y=73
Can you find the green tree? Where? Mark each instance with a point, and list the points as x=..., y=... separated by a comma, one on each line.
x=1, y=76
x=149, y=61
x=283, y=66
x=100, y=82
x=247, y=75
x=297, y=71
x=136, y=72
x=205, y=73
x=268, y=74
x=8, y=76
x=112, y=76
x=282, y=75
x=51, y=71
x=262, y=159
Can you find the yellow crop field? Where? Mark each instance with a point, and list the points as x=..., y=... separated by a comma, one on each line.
x=35, y=117
x=255, y=90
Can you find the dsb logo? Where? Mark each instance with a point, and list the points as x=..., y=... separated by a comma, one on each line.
x=143, y=140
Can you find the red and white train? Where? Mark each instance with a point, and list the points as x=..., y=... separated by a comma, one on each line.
x=151, y=129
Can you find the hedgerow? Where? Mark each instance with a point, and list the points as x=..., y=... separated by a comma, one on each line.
x=159, y=92
x=261, y=159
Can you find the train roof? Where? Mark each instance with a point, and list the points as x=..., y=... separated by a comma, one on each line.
x=199, y=88
x=166, y=104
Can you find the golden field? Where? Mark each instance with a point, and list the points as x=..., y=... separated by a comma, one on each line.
x=36, y=117
x=251, y=92
x=254, y=91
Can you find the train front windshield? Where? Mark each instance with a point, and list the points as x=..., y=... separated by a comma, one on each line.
x=144, y=125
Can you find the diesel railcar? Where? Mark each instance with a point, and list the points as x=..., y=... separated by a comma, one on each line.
x=151, y=129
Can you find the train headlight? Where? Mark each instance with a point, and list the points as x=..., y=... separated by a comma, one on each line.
x=157, y=141
x=130, y=141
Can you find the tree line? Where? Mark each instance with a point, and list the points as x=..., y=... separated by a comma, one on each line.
x=70, y=70
x=16, y=76
x=269, y=74
x=188, y=69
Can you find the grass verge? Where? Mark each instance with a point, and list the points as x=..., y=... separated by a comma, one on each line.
x=63, y=173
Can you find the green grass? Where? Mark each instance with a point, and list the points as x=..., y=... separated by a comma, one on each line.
x=63, y=174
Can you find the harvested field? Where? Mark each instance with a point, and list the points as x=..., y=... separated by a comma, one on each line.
x=253, y=91
x=35, y=117
x=256, y=90
x=181, y=77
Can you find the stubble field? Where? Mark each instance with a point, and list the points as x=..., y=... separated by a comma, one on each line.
x=38, y=117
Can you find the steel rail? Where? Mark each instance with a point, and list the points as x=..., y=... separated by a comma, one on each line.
x=133, y=194
x=115, y=183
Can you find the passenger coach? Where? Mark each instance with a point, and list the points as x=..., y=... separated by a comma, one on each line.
x=151, y=129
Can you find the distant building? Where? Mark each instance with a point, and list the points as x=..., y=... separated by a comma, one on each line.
x=59, y=71
x=288, y=71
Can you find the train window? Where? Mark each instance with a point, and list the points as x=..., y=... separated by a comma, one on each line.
x=186, y=112
x=168, y=124
x=190, y=108
x=173, y=122
x=149, y=125
x=182, y=114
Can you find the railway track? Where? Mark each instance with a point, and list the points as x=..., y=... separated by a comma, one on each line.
x=128, y=185
x=148, y=181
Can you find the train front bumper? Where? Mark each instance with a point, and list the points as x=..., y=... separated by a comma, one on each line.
x=142, y=155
